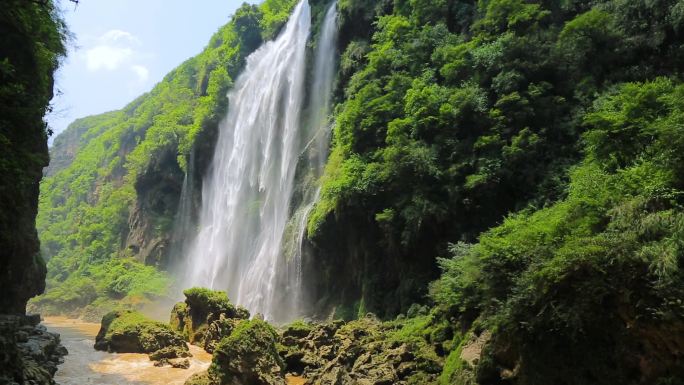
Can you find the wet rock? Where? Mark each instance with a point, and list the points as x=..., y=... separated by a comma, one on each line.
x=195, y=317
x=200, y=379
x=169, y=352
x=131, y=332
x=358, y=352
x=248, y=356
x=179, y=363
x=29, y=354
x=218, y=330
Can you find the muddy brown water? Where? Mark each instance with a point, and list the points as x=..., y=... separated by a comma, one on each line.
x=86, y=366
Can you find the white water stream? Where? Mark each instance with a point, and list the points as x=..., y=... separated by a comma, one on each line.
x=247, y=194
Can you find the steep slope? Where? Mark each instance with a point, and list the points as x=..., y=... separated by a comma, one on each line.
x=587, y=290
x=454, y=114
x=107, y=207
x=31, y=44
x=32, y=37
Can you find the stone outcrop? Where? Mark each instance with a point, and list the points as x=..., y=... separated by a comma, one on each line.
x=130, y=332
x=27, y=86
x=206, y=317
x=249, y=355
x=358, y=352
x=29, y=354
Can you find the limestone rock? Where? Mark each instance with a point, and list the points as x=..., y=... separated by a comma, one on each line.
x=358, y=352
x=200, y=379
x=205, y=317
x=248, y=356
x=130, y=332
x=29, y=354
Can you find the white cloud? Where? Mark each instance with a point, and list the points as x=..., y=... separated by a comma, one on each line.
x=116, y=50
x=107, y=57
x=117, y=35
x=142, y=72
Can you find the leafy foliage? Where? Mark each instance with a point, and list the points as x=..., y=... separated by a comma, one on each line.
x=458, y=113
x=599, y=271
x=113, y=197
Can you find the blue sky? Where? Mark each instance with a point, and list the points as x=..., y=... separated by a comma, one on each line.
x=122, y=48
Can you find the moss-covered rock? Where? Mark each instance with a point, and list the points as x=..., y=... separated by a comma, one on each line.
x=169, y=352
x=364, y=351
x=206, y=316
x=131, y=332
x=248, y=356
x=200, y=379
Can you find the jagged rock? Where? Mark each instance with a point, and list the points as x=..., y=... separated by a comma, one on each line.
x=195, y=317
x=29, y=354
x=472, y=351
x=130, y=332
x=179, y=363
x=169, y=352
x=357, y=352
x=200, y=379
x=217, y=330
x=248, y=356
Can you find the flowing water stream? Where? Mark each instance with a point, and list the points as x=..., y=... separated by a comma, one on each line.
x=86, y=366
x=247, y=194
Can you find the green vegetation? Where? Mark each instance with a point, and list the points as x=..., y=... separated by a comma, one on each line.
x=205, y=301
x=95, y=289
x=537, y=144
x=107, y=208
x=598, y=273
x=454, y=114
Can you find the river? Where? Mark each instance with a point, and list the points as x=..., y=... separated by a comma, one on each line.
x=86, y=366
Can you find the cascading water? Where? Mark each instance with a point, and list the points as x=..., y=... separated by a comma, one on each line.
x=183, y=223
x=324, y=73
x=247, y=194
x=315, y=154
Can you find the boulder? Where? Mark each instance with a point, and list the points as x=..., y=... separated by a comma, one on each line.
x=29, y=354
x=248, y=356
x=130, y=332
x=202, y=307
x=169, y=352
x=202, y=378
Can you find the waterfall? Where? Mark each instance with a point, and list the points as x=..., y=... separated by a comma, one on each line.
x=183, y=222
x=246, y=195
x=315, y=154
x=241, y=245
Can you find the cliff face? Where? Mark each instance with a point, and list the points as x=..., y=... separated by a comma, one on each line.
x=31, y=43
x=30, y=46
x=452, y=115
x=109, y=201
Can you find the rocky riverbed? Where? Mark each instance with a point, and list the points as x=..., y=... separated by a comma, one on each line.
x=29, y=354
x=86, y=366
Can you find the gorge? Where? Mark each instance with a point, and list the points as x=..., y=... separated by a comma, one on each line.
x=363, y=192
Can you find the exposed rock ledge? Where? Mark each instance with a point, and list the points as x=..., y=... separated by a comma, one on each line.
x=29, y=354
